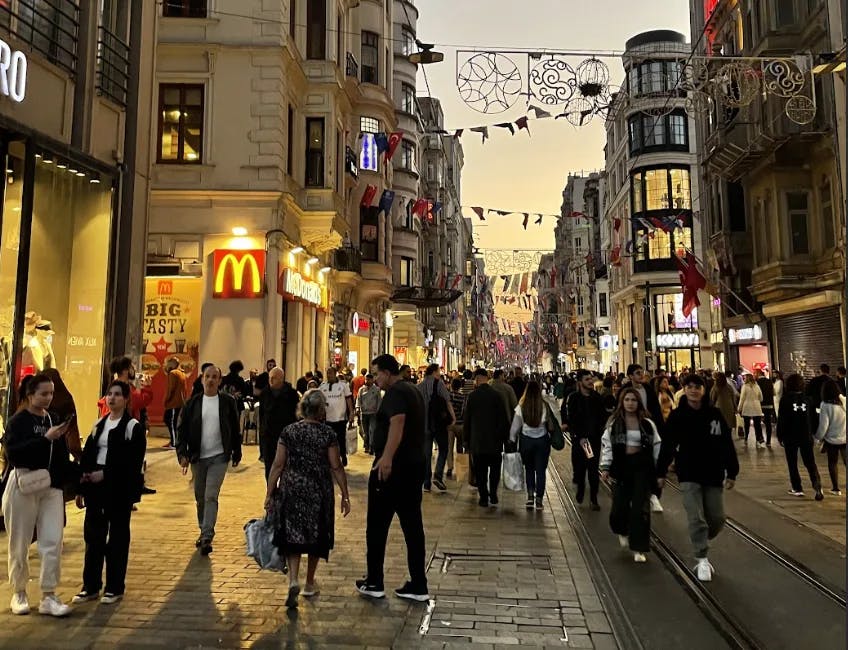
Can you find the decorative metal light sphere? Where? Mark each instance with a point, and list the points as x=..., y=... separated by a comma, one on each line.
x=592, y=77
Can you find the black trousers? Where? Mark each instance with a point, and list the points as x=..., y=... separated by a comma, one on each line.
x=268, y=449
x=487, y=468
x=631, y=510
x=107, y=538
x=808, y=457
x=768, y=416
x=341, y=434
x=833, y=454
x=581, y=465
x=401, y=496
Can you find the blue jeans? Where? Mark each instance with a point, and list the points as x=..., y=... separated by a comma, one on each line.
x=369, y=423
x=535, y=453
x=441, y=440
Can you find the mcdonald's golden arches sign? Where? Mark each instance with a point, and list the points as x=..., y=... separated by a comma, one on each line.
x=238, y=273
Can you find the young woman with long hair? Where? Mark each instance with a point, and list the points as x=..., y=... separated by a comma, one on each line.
x=534, y=442
x=831, y=430
x=630, y=449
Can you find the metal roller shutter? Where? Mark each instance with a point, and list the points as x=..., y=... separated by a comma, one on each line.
x=807, y=340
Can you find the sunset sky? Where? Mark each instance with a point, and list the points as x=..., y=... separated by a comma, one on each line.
x=517, y=172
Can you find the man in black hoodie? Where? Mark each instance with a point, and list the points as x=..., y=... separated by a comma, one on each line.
x=698, y=440
x=585, y=417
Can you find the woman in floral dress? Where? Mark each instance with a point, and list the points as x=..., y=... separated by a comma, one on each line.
x=302, y=476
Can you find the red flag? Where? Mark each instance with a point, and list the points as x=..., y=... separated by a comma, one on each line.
x=368, y=195
x=615, y=256
x=394, y=141
x=457, y=279
x=420, y=207
x=479, y=212
x=691, y=280
x=616, y=224
x=576, y=215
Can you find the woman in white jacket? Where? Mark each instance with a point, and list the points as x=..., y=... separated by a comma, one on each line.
x=751, y=408
x=831, y=431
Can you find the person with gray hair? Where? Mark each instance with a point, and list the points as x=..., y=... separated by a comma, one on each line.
x=300, y=492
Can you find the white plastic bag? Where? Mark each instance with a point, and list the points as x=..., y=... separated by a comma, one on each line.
x=259, y=535
x=352, y=438
x=512, y=472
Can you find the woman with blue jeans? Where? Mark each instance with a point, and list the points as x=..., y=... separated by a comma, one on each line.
x=534, y=442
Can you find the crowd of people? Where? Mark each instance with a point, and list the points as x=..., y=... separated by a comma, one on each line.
x=628, y=430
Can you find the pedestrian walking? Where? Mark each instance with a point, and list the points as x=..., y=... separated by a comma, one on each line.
x=277, y=410
x=795, y=433
x=485, y=430
x=723, y=397
x=455, y=435
x=831, y=431
x=263, y=379
x=630, y=449
x=340, y=411
x=394, y=484
x=700, y=442
x=208, y=439
x=751, y=409
x=438, y=416
x=367, y=405
x=110, y=485
x=174, y=399
x=529, y=431
x=767, y=390
x=639, y=380
x=306, y=461
x=38, y=458
x=197, y=385
x=585, y=419
x=518, y=382
x=358, y=382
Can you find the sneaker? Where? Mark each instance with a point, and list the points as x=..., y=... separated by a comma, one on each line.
x=147, y=490
x=19, y=604
x=580, y=494
x=291, y=600
x=623, y=541
x=639, y=557
x=539, y=505
x=367, y=588
x=836, y=492
x=529, y=503
x=311, y=589
x=493, y=499
x=53, y=606
x=656, y=506
x=427, y=488
x=595, y=507
x=449, y=473
x=483, y=503
x=110, y=598
x=768, y=445
x=704, y=570
x=198, y=542
x=796, y=493
x=440, y=484
x=819, y=495
x=761, y=445
x=205, y=547
x=84, y=596
x=411, y=592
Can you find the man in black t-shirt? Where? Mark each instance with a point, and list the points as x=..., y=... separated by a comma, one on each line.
x=394, y=485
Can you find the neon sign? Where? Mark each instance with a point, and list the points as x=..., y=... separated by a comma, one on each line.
x=245, y=276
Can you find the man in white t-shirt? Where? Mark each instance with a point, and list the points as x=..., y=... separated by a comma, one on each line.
x=208, y=438
x=340, y=411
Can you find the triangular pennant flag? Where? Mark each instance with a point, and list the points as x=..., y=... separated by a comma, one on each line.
x=479, y=212
x=482, y=129
x=539, y=220
x=506, y=125
x=526, y=219
x=540, y=114
x=521, y=123
x=502, y=213
x=458, y=133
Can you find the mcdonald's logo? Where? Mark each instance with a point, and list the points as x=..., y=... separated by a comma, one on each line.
x=165, y=288
x=238, y=274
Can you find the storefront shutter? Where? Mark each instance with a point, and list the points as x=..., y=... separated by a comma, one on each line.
x=807, y=340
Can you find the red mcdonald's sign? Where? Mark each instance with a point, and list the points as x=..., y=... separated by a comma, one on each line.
x=238, y=273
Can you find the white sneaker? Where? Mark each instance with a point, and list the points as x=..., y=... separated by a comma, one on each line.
x=796, y=493
x=656, y=506
x=623, y=541
x=19, y=604
x=639, y=557
x=311, y=589
x=704, y=570
x=761, y=445
x=53, y=606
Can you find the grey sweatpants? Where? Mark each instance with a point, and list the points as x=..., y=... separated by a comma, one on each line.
x=705, y=512
x=208, y=475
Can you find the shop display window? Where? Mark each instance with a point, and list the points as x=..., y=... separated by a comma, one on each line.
x=64, y=323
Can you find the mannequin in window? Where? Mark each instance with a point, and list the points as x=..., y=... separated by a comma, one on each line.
x=37, y=346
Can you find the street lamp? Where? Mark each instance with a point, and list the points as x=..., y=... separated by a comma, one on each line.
x=426, y=55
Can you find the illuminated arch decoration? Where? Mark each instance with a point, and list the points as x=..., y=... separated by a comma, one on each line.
x=489, y=82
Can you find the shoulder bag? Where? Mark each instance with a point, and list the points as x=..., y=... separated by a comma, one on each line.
x=31, y=481
x=554, y=430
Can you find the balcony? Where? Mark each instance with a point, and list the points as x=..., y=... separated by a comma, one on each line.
x=347, y=260
x=351, y=66
x=52, y=31
x=112, y=66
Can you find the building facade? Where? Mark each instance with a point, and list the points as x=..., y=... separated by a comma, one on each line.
x=73, y=206
x=774, y=192
x=653, y=213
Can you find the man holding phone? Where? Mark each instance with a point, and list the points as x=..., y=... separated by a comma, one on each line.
x=585, y=417
x=394, y=485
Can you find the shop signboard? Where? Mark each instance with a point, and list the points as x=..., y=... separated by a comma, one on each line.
x=745, y=335
x=293, y=284
x=359, y=324
x=171, y=329
x=678, y=340
x=238, y=273
x=13, y=73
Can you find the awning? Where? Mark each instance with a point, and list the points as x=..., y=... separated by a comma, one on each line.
x=426, y=296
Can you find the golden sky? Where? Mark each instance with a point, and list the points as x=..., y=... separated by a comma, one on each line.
x=520, y=172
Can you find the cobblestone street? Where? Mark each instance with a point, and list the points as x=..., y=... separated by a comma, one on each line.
x=497, y=577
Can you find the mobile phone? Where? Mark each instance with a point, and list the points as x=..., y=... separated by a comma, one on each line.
x=69, y=419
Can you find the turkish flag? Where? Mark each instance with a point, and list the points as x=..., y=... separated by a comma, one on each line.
x=368, y=195
x=691, y=280
x=394, y=141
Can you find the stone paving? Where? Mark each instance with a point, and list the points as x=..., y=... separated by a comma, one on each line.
x=499, y=578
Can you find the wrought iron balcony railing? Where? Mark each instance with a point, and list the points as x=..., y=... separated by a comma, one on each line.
x=51, y=29
x=112, y=66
